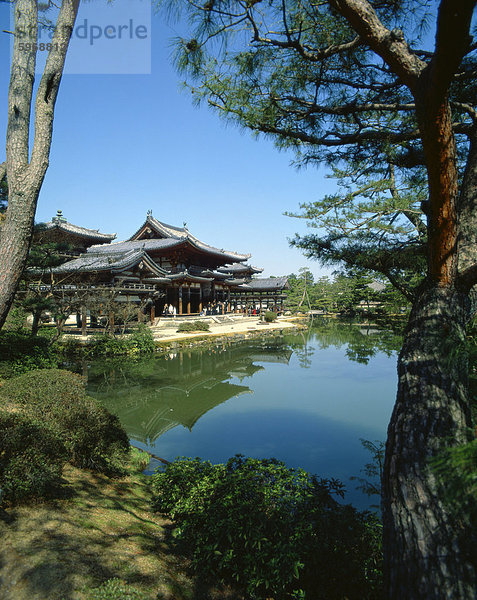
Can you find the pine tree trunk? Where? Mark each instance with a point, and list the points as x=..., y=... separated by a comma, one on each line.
x=426, y=545
x=15, y=241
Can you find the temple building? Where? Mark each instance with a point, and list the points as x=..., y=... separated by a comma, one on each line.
x=162, y=265
x=79, y=239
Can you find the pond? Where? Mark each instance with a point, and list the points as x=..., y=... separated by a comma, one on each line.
x=305, y=398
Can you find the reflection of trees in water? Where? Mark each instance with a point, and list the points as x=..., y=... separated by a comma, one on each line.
x=362, y=341
x=302, y=348
x=151, y=396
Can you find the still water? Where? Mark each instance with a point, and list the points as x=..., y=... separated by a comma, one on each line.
x=306, y=399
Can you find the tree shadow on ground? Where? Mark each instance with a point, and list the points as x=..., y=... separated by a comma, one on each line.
x=99, y=529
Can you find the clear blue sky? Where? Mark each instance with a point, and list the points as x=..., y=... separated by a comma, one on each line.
x=124, y=144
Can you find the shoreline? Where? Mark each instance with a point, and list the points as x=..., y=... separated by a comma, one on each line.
x=240, y=328
x=166, y=336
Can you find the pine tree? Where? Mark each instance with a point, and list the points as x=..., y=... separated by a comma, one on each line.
x=347, y=82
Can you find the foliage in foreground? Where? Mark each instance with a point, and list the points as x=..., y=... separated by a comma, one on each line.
x=194, y=326
x=21, y=352
x=115, y=589
x=270, y=530
x=32, y=456
x=140, y=341
x=53, y=403
x=456, y=471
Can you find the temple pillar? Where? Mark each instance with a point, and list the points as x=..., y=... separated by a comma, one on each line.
x=188, y=299
x=83, y=321
x=180, y=300
x=200, y=299
x=153, y=312
x=229, y=308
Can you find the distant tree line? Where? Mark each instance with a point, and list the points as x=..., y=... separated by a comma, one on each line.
x=345, y=292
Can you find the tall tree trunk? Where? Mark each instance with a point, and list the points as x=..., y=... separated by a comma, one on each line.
x=25, y=172
x=427, y=545
x=14, y=244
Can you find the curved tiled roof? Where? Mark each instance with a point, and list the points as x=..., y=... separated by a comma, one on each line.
x=162, y=229
x=63, y=225
x=186, y=276
x=163, y=243
x=271, y=284
x=117, y=261
x=239, y=268
x=182, y=233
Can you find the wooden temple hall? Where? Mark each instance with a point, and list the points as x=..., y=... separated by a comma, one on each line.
x=162, y=265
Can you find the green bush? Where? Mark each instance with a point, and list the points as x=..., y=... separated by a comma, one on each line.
x=93, y=437
x=32, y=456
x=270, y=316
x=193, y=326
x=115, y=589
x=141, y=341
x=271, y=530
x=16, y=319
x=21, y=352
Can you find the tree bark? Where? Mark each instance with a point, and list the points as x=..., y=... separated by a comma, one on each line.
x=24, y=176
x=428, y=548
x=427, y=544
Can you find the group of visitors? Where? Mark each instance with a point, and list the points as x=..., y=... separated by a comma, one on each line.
x=169, y=310
x=220, y=308
x=215, y=308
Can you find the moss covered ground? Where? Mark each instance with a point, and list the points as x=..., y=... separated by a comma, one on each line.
x=100, y=529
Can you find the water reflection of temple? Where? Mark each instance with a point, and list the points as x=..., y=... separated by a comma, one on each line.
x=157, y=394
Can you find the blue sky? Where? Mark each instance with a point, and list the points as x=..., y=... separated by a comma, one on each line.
x=124, y=144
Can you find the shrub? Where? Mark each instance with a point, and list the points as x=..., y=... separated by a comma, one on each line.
x=16, y=319
x=141, y=341
x=193, y=326
x=270, y=316
x=271, y=530
x=93, y=437
x=21, y=352
x=32, y=456
x=115, y=589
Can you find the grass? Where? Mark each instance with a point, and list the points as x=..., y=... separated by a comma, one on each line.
x=101, y=529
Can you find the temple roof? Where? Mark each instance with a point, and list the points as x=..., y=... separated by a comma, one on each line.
x=238, y=268
x=271, y=284
x=167, y=243
x=115, y=262
x=186, y=276
x=158, y=229
x=61, y=224
x=161, y=229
